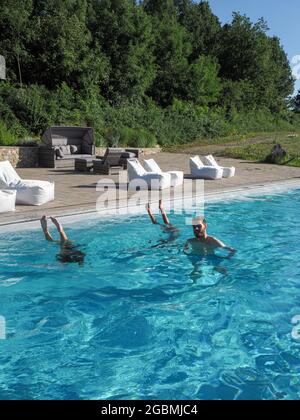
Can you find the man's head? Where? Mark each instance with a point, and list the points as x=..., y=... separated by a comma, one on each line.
x=199, y=227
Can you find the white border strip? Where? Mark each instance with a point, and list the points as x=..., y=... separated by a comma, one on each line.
x=241, y=193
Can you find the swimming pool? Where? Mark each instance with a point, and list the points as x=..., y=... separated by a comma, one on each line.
x=134, y=322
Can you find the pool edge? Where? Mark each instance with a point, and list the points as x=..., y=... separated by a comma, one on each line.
x=272, y=187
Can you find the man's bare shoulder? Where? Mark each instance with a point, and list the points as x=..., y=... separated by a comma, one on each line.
x=215, y=241
x=192, y=240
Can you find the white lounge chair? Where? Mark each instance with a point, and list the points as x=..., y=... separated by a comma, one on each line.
x=7, y=201
x=199, y=170
x=139, y=177
x=227, y=172
x=176, y=176
x=32, y=193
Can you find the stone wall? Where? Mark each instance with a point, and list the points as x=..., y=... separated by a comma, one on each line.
x=20, y=157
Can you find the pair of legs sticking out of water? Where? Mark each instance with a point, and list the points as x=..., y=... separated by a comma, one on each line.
x=69, y=252
x=200, y=249
x=201, y=245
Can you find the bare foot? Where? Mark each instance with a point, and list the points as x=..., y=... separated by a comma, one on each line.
x=161, y=207
x=44, y=225
x=60, y=229
x=56, y=223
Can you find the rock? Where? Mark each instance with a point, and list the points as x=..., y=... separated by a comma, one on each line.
x=277, y=154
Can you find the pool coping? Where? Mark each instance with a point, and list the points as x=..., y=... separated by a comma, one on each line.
x=272, y=187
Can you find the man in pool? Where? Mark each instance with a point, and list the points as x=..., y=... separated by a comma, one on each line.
x=69, y=253
x=171, y=230
x=203, y=244
x=201, y=250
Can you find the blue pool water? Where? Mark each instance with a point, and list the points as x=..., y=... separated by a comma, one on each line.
x=134, y=322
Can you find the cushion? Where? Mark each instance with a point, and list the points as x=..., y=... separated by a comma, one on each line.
x=211, y=161
x=117, y=150
x=7, y=201
x=73, y=157
x=128, y=155
x=59, y=140
x=8, y=176
x=196, y=162
x=74, y=149
x=135, y=168
x=34, y=193
x=58, y=153
x=66, y=150
x=152, y=166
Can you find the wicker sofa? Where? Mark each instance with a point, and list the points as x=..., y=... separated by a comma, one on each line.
x=62, y=145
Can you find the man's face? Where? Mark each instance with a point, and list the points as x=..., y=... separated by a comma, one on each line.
x=200, y=229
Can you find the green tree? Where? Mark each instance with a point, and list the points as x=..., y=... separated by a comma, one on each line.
x=176, y=77
x=172, y=49
x=202, y=25
x=124, y=31
x=247, y=54
x=159, y=7
x=61, y=50
x=282, y=78
x=167, y=65
x=203, y=86
x=15, y=33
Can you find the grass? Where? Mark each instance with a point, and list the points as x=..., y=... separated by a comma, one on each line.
x=254, y=147
x=259, y=152
x=219, y=141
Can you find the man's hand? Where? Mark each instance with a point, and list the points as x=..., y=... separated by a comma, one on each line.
x=232, y=251
x=186, y=247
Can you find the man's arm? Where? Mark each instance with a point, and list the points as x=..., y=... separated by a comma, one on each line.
x=220, y=244
x=186, y=247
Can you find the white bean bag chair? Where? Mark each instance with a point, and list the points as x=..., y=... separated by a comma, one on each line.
x=227, y=172
x=139, y=178
x=7, y=201
x=199, y=170
x=32, y=193
x=176, y=176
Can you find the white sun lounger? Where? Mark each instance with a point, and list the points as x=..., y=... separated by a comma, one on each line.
x=32, y=193
x=176, y=176
x=199, y=170
x=7, y=201
x=227, y=172
x=139, y=177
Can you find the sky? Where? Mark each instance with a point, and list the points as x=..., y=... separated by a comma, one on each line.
x=283, y=18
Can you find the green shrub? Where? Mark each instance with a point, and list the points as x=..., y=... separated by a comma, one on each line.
x=6, y=137
x=129, y=137
x=138, y=122
x=112, y=137
x=261, y=120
